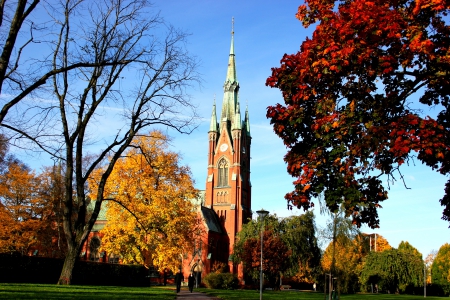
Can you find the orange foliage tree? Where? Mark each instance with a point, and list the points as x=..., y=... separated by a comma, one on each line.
x=151, y=220
x=28, y=212
x=19, y=218
x=351, y=98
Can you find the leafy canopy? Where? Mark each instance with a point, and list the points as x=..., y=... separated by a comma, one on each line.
x=150, y=218
x=290, y=246
x=440, y=268
x=394, y=269
x=30, y=213
x=352, y=96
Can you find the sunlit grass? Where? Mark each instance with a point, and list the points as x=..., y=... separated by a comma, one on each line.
x=48, y=291
x=303, y=295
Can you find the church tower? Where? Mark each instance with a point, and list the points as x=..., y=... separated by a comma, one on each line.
x=228, y=187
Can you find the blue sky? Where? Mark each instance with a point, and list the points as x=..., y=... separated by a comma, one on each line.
x=264, y=31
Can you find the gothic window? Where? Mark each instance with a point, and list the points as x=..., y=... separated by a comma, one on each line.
x=223, y=172
x=222, y=197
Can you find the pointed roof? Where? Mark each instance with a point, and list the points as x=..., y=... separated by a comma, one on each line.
x=247, y=121
x=231, y=86
x=213, y=125
x=237, y=117
x=231, y=72
x=211, y=220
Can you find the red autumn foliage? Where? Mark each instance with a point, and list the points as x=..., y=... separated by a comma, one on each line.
x=275, y=256
x=352, y=96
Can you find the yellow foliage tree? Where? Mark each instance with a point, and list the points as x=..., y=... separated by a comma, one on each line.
x=150, y=218
x=348, y=257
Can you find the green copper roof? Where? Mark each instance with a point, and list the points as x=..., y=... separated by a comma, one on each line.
x=213, y=125
x=231, y=73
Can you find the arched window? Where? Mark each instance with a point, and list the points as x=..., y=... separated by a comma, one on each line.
x=223, y=172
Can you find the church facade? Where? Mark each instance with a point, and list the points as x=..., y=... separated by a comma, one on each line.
x=225, y=204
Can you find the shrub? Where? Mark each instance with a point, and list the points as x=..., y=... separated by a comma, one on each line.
x=223, y=281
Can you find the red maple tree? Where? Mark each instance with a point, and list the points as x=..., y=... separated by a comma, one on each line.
x=275, y=257
x=353, y=95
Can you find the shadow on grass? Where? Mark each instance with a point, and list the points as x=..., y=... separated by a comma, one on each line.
x=46, y=291
x=43, y=291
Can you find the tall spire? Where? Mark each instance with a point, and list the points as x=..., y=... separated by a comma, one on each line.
x=231, y=86
x=231, y=73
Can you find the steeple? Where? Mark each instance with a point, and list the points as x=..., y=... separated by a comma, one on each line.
x=230, y=87
x=213, y=125
x=231, y=72
x=228, y=193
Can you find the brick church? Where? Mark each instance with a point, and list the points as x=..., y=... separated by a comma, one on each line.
x=225, y=204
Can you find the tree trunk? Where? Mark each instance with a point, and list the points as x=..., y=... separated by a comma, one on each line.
x=66, y=274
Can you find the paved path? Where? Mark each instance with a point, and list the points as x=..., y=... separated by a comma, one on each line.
x=186, y=295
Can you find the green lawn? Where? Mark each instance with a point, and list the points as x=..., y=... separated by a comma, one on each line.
x=288, y=295
x=48, y=291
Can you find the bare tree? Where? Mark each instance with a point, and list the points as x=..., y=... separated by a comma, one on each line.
x=12, y=19
x=23, y=34
x=138, y=76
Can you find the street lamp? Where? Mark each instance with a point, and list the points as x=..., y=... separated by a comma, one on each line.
x=262, y=214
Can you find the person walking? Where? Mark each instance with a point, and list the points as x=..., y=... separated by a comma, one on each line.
x=191, y=282
x=178, y=279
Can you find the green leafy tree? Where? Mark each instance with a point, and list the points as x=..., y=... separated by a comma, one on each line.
x=394, y=270
x=300, y=237
x=295, y=234
x=352, y=96
x=440, y=269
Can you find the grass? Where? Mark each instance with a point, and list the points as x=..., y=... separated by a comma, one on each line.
x=288, y=295
x=48, y=291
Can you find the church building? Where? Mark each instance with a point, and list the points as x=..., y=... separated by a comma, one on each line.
x=225, y=204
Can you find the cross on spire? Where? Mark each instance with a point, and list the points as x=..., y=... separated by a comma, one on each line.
x=232, y=25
